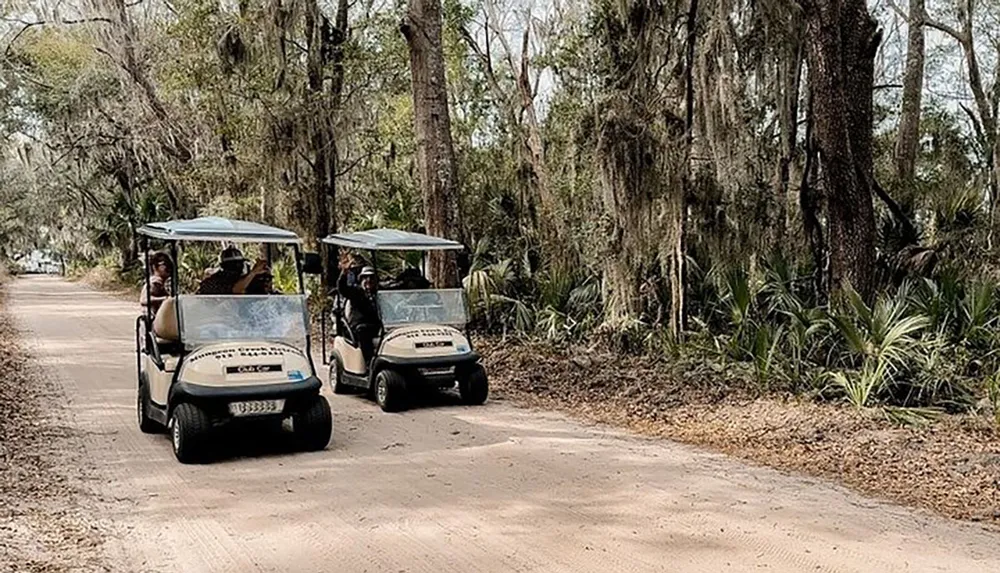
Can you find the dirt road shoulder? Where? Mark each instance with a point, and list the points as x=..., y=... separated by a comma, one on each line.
x=951, y=466
x=47, y=513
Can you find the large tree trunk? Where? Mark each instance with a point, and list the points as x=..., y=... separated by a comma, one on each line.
x=842, y=39
x=643, y=151
x=319, y=124
x=908, y=136
x=339, y=37
x=789, y=84
x=432, y=126
x=324, y=45
x=810, y=202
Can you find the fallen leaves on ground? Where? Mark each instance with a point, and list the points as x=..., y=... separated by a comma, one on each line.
x=951, y=466
x=44, y=526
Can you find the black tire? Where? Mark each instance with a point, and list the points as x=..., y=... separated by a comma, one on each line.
x=191, y=429
x=337, y=378
x=313, y=426
x=473, y=385
x=147, y=425
x=390, y=390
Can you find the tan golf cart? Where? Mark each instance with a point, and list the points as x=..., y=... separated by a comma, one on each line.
x=208, y=360
x=423, y=342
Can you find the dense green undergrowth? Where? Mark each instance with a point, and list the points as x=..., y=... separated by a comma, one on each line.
x=920, y=349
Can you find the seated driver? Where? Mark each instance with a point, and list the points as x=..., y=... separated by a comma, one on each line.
x=411, y=279
x=230, y=279
x=364, y=319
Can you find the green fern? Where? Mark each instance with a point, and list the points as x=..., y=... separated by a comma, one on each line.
x=883, y=339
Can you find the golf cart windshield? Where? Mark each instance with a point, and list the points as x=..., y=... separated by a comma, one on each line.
x=434, y=306
x=209, y=319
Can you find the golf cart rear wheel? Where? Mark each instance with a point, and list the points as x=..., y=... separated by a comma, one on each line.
x=337, y=378
x=190, y=429
x=473, y=385
x=313, y=426
x=390, y=391
x=147, y=425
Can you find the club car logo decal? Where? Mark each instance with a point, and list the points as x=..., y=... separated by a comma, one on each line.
x=433, y=344
x=253, y=369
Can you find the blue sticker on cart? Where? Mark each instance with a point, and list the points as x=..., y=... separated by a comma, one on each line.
x=462, y=348
x=295, y=375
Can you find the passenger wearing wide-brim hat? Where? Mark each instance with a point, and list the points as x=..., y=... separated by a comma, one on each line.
x=230, y=279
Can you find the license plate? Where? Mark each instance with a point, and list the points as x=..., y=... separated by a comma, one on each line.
x=256, y=407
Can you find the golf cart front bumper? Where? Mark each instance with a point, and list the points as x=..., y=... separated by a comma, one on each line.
x=215, y=400
x=433, y=370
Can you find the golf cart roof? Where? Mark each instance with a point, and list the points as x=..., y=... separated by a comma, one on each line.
x=392, y=240
x=217, y=229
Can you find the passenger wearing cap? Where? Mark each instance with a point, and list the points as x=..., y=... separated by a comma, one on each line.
x=230, y=279
x=363, y=318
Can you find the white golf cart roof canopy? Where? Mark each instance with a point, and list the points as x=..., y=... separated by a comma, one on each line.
x=392, y=240
x=217, y=229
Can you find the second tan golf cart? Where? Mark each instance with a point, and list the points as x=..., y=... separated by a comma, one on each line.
x=207, y=360
x=423, y=340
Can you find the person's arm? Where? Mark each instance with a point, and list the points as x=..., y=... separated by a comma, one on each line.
x=241, y=285
x=350, y=292
x=208, y=284
x=157, y=293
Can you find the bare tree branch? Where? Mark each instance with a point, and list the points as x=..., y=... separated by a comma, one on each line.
x=976, y=125
x=29, y=25
x=959, y=35
x=484, y=59
x=354, y=164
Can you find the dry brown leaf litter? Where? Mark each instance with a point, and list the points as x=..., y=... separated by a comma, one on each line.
x=45, y=526
x=951, y=466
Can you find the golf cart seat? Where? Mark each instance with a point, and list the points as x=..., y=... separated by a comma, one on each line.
x=348, y=311
x=344, y=325
x=165, y=327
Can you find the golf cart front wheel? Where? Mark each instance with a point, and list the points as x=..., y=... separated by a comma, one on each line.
x=313, y=426
x=337, y=378
x=473, y=385
x=190, y=429
x=147, y=425
x=390, y=391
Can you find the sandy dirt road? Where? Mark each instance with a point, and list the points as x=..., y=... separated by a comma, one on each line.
x=451, y=489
